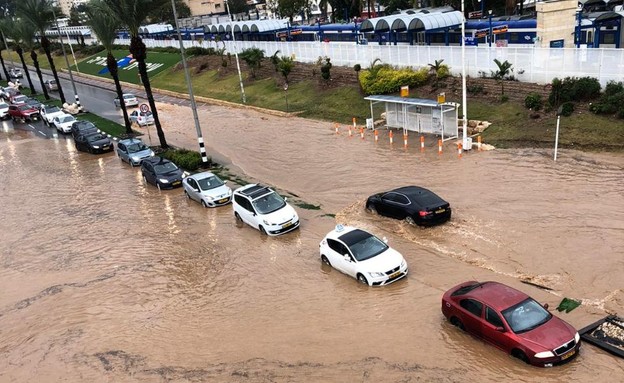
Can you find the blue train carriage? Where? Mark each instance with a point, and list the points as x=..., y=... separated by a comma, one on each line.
x=505, y=31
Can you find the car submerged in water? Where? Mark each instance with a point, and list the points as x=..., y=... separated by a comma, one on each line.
x=414, y=204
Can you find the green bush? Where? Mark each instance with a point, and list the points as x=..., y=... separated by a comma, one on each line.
x=586, y=88
x=199, y=51
x=443, y=72
x=567, y=108
x=389, y=80
x=186, y=159
x=326, y=69
x=620, y=113
x=573, y=89
x=504, y=98
x=533, y=101
x=357, y=67
x=613, y=88
x=475, y=89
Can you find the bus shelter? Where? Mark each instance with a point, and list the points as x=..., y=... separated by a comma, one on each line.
x=418, y=115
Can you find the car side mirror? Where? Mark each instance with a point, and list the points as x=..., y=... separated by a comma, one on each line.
x=285, y=198
x=546, y=306
x=347, y=258
x=385, y=240
x=501, y=329
x=196, y=189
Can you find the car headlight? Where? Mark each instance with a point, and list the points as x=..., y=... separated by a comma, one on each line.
x=376, y=274
x=403, y=263
x=152, y=154
x=209, y=198
x=165, y=181
x=185, y=174
x=135, y=158
x=267, y=222
x=577, y=337
x=544, y=354
x=96, y=147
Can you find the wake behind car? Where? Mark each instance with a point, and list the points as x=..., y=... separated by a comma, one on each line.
x=161, y=172
x=63, y=122
x=262, y=208
x=129, y=100
x=133, y=151
x=414, y=204
x=93, y=143
x=512, y=321
x=207, y=189
x=362, y=256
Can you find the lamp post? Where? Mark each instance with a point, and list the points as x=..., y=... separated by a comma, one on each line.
x=240, y=76
x=482, y=6
x=464, y=98
x=490, y=21
x=557, y=131
x=200, y=138
x=71, y=47
x=71, y=76
x=286, y=95
x=577, y=34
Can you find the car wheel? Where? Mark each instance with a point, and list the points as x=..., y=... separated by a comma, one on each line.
x=371, y=208
x=520, y=355
x=325, y=260
x=409, y=219
x=158, y=185
x=362, y=279
x=202, y=202
x=238, y=218
x=145, y=180
x=262, y=231
x=457, y=323
x=187, y=195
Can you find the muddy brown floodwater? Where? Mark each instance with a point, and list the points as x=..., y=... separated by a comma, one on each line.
x=104, y=279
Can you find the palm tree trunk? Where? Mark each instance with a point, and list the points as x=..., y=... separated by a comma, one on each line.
x=6, y=73
x=45, y=44
x=111, y=64
x=33, y=56
x=139, y=52
x=20, y=53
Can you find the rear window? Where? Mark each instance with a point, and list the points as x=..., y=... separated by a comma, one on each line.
x=466, y=289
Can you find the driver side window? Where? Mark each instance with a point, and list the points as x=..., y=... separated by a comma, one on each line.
x=192, y=183
x=472, y=306
x=492, y=317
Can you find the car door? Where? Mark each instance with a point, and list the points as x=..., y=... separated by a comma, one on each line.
x=193, y=190
x=246, y=211
x=494, y=330
x=335, y=253
x=122, y=152
x=393, y=205
x=472, y=314
x=148, y=172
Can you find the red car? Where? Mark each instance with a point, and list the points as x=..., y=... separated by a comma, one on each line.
x=512, y=321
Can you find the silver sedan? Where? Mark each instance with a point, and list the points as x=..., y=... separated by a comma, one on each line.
x=207, y=189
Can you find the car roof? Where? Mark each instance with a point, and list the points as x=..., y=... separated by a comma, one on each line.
x=156, y=160
x=340, y=230
x=424, y=196
x=129, y=141
x=496, y=295
x=202, y=175
x=254, y=191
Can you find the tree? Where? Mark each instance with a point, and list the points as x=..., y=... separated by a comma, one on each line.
x=504, y=69
x=40, y=13
x=253, y=57
x=104, y=26
x=164, y=13
x=131, y=13
x=291, y=8
x=3, y=47
x=285, y=66
x=395, y=5
x=237, y=6
x=27, y=31
x=18, y=32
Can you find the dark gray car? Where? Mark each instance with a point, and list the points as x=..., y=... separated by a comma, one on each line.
x=93, y=143
x=82, y=127
x=161, y=172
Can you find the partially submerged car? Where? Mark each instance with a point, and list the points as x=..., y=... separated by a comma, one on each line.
x=263, y=209
x=133, y=151
x=414, y=204
x=207, y=189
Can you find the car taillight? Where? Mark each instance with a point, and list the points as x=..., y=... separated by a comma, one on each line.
x=423, y=213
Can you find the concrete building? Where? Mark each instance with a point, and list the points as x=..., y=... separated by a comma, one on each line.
x=206, y=7
x=556, y=21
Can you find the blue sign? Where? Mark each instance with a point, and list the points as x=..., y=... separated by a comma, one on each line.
x=470, y=41
x=556, y=44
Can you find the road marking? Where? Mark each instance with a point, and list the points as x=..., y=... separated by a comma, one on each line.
x=38, y=131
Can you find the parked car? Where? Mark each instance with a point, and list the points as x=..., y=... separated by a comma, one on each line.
x=16, y=73
x=18, y=99
x=414, y=204
x=161, y=172
x=63, y=122
x=4, y=110
x=129, y=100
x=141, y=118
x=8, y=92
x=34, y=103
x=51, y=85
x=362, y=256
x=207, y=189
x=93, y=143
x=48, y=112
x=512, y=321
x=262, y=208
x=82, y=127
x=23, y=113
x=133, y=151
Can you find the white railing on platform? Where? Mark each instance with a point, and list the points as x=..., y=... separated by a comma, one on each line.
x=530, y=64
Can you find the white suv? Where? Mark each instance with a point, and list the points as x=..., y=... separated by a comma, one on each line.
x=262, y=208
x=363, y=256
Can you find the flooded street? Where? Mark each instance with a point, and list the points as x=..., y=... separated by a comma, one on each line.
x=105, y=279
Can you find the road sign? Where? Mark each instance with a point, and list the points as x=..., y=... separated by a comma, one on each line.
x=475, y=15
x=144, y=108
x=470, y=41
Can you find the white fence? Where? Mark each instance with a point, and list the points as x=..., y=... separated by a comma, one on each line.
x=537, y=65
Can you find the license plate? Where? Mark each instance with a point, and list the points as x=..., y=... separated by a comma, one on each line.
x=568, y=354
x=176, y=182
x=223, y=200
x=289, y=224
x=440, y=211
x=105, y=147
x=395, y=275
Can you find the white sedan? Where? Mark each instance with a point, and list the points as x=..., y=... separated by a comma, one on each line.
x=63, y=123
x=363, y=256
x=129, y=100
x=207, y=189
x=141, y=118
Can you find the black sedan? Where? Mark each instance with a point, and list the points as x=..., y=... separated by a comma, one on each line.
x=93, y=143
x=414, y=204
x=161, y=172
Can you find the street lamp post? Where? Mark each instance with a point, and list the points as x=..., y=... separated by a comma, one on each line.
x=286, y=95
x=490, y=36
x=557, y=131
x=71, y=76
x=464, y=98
x=482, y=6
x=577, y=34
x=200, y=138
x=240, y=76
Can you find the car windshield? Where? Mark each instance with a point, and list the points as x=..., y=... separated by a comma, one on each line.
x=268, y=203
x=127, y=96
x=25, y=107
x=52, y=109
x=138, y=147
x=209, y=183
x=95, y=137
x=3, y=105
x=67, y=119
x=526, y=315
x=84, y=125
x=165, y=168
x=367, y=247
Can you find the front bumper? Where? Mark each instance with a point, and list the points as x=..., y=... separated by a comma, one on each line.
x=170, y=185
x=388, y=279
x=282, y=229
x=558, y=360
x=219, y=202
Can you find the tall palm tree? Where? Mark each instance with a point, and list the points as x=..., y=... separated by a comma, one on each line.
x=104, y=26
x=3, y=47
x=16, y=32
x=40, y=13
x=27, y=31
x=132, y=13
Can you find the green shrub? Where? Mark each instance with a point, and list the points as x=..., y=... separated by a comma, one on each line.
x=357, y=67
x=326, y=69
x=533, y=101
x=389, y=80
x=443, y=72
x=613, y=88
x=504, y=98
x=186, y=159
x=199, y=51
x=620, y=113
x=475, y=89
x=586, y=88
x=567, y=108
x=573, y=89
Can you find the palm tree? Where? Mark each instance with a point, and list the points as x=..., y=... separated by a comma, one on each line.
x=40, y=13
x=17, y=32
x=104, y=26
x=504, y=69
x=132, y=13
x=3, y=47
x=27, y=31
